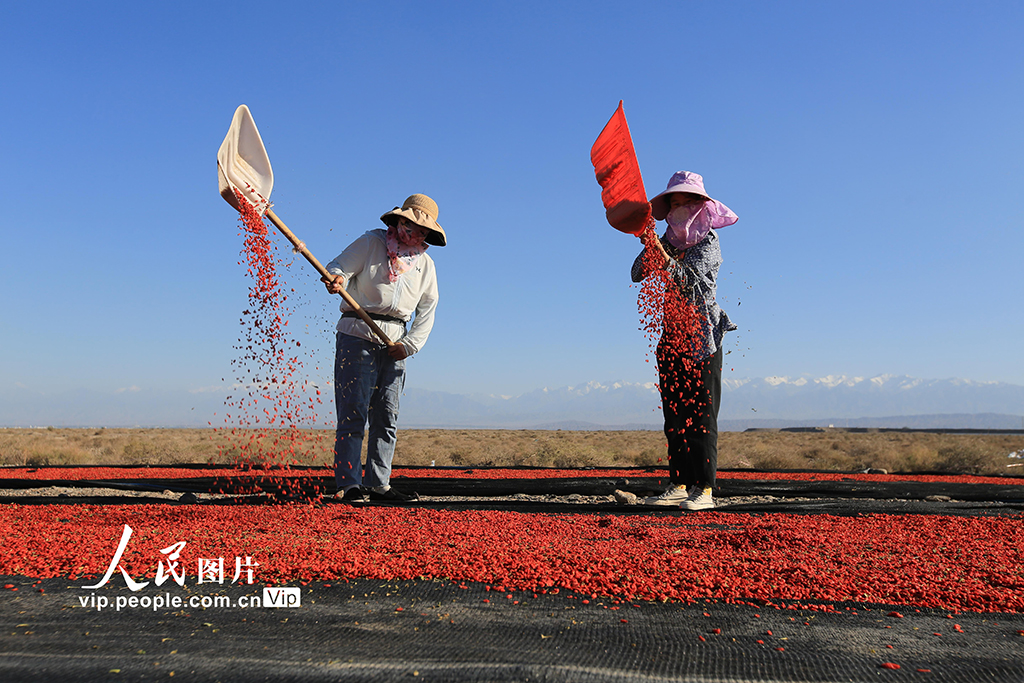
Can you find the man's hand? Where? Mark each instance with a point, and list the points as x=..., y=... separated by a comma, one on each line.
x=335, y=285
x=397, y=351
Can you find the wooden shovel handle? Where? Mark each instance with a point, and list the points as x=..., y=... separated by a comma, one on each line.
x=301, y=248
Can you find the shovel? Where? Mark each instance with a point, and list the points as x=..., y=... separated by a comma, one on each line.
x=243, y=165
x=618, y=174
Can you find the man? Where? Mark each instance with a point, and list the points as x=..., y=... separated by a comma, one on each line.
x=389, y=274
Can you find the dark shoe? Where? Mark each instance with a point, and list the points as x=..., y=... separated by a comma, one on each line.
x=354, y=495
x=394, y=496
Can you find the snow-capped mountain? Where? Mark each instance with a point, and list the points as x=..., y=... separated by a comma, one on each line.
x=840, y=396
x=883, y=401
x=624, y=404
x=595, y=403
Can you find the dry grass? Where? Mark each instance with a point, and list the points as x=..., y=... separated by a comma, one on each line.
x=57, y=446
x=833, y=449
x=837, y=449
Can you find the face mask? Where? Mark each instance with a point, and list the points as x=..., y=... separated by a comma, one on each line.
x=687, y=225
x=410, y=235
x=402, y=256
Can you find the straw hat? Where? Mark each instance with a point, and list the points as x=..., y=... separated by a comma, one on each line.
x=681, y=181
x=421, y=210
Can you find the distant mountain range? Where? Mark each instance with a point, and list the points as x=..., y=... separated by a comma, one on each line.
x=850, y=398
x=884, y=401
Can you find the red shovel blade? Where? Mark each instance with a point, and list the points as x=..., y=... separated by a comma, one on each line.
x=618, y=173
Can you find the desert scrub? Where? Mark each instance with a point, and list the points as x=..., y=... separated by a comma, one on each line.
x=831, y=449
x=67, y=446
x=57, y=455
x=843, y=450
x=966, y=458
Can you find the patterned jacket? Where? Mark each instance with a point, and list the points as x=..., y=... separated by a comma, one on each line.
x=695, y=272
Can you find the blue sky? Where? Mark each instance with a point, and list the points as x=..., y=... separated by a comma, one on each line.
x=872, y=150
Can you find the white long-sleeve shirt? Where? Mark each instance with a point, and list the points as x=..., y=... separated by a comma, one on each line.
x=364, y=265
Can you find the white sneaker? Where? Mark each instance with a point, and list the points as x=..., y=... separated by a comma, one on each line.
x=673, y=495
x=699, y=499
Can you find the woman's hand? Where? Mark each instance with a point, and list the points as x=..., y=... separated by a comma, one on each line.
x=652, y=242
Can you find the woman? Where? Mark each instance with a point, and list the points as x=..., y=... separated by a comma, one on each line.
x=689, y=352
x=390, y=275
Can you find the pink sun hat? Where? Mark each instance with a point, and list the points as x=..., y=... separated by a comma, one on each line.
x=692, y=183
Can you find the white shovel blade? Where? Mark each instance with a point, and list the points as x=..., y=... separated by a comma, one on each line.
x=243, y=164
